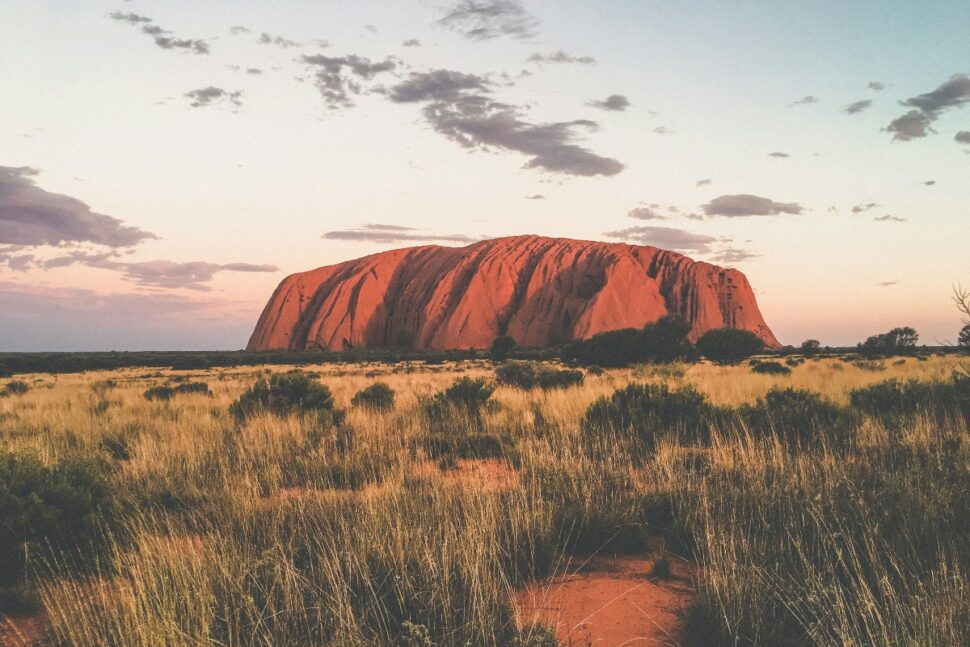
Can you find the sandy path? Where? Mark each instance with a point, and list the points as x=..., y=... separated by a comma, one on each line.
x=608, y=602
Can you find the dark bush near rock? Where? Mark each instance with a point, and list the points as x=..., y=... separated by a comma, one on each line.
x=729, y=345
x=284, y=394
x=378, y=397
x=771, y=368
x=894, y=402
x=799, y=416
x=169, y=392
x=649, y=412
x=529, y=375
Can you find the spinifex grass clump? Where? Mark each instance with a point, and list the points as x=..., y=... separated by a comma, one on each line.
x=14, y=387
x=455, y=422
x=800, y=417
x=771, y=368
x=169, y=392
x=286, y=394
x=45, y=508
x=894, y=402
x=529, y=375
x=377, y=397
x=648, y=413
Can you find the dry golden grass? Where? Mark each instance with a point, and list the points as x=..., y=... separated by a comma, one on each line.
x=275, y=531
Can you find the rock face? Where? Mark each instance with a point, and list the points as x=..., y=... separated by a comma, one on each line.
x=540, y=291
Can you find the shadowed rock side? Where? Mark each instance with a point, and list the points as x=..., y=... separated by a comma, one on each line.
x=540, y=291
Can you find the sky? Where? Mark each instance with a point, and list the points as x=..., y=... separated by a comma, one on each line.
x=163, y=165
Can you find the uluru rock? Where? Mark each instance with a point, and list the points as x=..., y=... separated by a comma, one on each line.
x=540, y=291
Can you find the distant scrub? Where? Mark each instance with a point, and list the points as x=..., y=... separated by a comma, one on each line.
x=799, y=417
x=529, y=375
x=169, y=392
x=649, y=412
x=285, y=394
x=377, y=397
x=894, y=402
x=662, y=341
x=729, y=345
x=14, y=387
x=771, y=368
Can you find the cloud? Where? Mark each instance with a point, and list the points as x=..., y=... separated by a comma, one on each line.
x=193, y=275
x=253, y=70
x=646, y=213
x=31, y=216
x=912, y=125
x=857, y=107
x=159, y=35
x=928, y=107
x=732, y=206
x=886, y=284
x=866, y=206
x=335, y=76
x=889, y=218
x=962, y=137
x=207, y=96
x=663, y=130
x=485, y=19
x=411, y=42
x=394, y=234
x=238, y=29
x=929, y=182
x=804, y=101
x=614, y=102
x=731, y=255
x=703, y=182
x=279, y=41
x=559, y=56
x=878, y=86
x=537, y=196
x=458, y=107
x=777, y=154
x=666, y=238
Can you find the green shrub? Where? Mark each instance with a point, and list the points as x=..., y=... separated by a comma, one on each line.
x=465, y=395
x=662, y=341
x=378, y=397
x=771, y=368
x=169, y=392
x=528, y=375
x=48, y=507
x=15, y=387
x=895, y=342
x=799, y=416
x=647, y=412
x=501, y=348
x=284, y=394
x=895, y=402
x=729, y=345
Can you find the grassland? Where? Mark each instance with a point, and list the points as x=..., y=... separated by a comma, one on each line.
x=201, y=528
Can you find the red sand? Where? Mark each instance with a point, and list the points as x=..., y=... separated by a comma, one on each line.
x=609, y=602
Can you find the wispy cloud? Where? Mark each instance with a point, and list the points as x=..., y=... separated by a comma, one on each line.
x=741, y=205
x=668, y=238
x=878, y=86
x=486, y=19
x=962, y=137
x=559, y=56
x=338, y=77
x=804, y=101
x=411, y=42
x=778, y=154
x=889, y=218
x=279, y=41
x=211, y=95
x=928, y=107
x=865, y=206
x=459, y=106
x=31, y=216
x=162, y=37
x=614, y=102
x=857, y=107
x=393, y=234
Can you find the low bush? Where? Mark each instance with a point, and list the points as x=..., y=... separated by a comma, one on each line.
x=729, y=345
x=46, y=508
x=647, y=412
x=529, y=375
x=464, y=396
x=169, y=392
x=377, y=397
x=894, y=402
x=772, y=368
x=800, y=417
x=15, y=387
x=289, y=393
